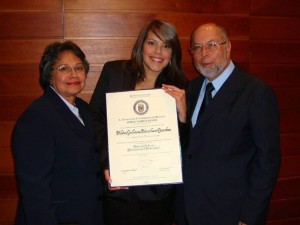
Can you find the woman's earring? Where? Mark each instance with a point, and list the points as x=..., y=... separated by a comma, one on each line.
x=170, y=63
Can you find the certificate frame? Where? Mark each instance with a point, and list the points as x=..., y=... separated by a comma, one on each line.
x=143, y=138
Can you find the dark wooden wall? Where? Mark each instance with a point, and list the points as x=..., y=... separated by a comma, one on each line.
x=265, y=36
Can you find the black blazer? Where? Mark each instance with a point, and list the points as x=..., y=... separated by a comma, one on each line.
x=233, y=157
x=57, y=164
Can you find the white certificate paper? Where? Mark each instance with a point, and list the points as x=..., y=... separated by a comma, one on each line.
x=143, y=138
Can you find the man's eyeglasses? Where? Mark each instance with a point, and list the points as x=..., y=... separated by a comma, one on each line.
x=65, y=69
x=210, y=47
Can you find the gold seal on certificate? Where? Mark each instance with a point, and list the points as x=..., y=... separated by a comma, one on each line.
x=143, y=138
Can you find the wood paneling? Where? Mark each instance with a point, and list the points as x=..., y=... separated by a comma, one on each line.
x=275, y=52
x=7, y=5
x=5, y=131
x=19, y=79
x=92, y=79
x=290, y=122
x=275, y=28
x=8, y=187
x=284, y=208
x=23, y=52
x=13, y=106
x=287, y=188
x=8, y=210
x=288, y=97
x=31, y=24
x=99, y=51
x=289, y=221
x=107, y=24
x=290, y=167
x=6, y=163
x=190, y=70
x=265, y=41
x=274, y=8
x=278, y=75
x=194, y=6
x=290, y=144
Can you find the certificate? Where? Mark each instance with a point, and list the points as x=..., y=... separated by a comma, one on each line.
x=143, y=138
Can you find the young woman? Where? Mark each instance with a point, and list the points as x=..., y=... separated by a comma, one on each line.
x=155, y=63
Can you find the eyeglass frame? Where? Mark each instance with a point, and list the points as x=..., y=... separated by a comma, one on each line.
x=70, y=69
x=205, y=47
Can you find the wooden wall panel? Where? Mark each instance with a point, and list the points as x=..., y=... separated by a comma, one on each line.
x=92, y=79
x=265, y=41
x=8, y=211
x=199, y=6
x=290, y=167
x=22, y=52
x=275, y=28
x=30, y=24
x=13, y=106
x=19, y=79
x=289, y=221
x=98, y=51
x=275, y=52
x=278, y=75
x=107, y=23
x=290, y=144
x=8, y=187
x=288, y=98
x=6, y=163
x=287, y=188
x=30, y=5
x=290, y=122
x=5, y=131
x=190, y=70
x=274, y=8
x=275, y=58
x=284, y=208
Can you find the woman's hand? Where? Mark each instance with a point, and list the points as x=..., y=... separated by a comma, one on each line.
x=108, y=179
x=180, y=98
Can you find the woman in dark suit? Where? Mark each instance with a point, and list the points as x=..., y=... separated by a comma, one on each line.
x=55, y=149
x=155, y=63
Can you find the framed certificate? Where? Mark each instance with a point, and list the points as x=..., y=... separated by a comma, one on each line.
x=143, y=138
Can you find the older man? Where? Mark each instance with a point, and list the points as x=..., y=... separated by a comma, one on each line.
x=233, y=158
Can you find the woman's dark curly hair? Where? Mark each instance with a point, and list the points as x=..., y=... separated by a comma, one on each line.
x=51, y=55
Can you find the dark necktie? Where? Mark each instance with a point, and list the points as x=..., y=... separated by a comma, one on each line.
x=207, y=98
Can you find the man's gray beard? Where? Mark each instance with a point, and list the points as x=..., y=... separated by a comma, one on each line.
x=208, y=74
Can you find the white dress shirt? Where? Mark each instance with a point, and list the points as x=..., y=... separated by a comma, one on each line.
x=217, y=83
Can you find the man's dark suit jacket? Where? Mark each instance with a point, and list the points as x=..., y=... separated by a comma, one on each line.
x=233, y=158
x=57, y=164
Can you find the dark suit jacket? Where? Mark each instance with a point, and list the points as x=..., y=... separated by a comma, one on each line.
x=57, y=164
x=233, y=157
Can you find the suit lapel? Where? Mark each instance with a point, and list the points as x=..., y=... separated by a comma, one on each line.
x=224, y=99
x=70, y=118
x=89, y=129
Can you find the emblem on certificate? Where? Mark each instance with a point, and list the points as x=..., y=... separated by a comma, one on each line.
x=140, y=107
x=143, y=138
